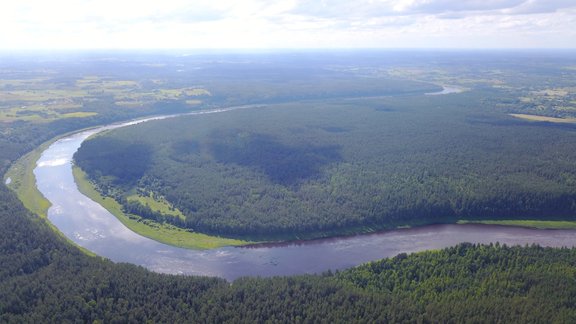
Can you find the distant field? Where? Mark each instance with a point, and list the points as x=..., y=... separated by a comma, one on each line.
x=38, y=100
x=545, y=118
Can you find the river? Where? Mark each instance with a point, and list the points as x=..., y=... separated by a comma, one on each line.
x=446, y=90
x=94, y=228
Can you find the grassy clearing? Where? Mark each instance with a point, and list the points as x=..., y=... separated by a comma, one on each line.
x=158, y=205
x=196, y=92
x=164, y=233
x=129, y=104
x=526, y=223
x=42, y=114
x=193, y=102
x=556, y=92
x=41, y=95
x=23, y=182
x=79, y=114
x=174, y=94
x=544, y=118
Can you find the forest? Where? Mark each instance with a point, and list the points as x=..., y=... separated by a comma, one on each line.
x=324, y=165
x=44, y=278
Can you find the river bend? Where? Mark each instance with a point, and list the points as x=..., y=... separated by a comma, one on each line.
x=94, y=228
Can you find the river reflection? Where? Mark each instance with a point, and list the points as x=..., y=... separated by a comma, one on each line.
x=94, y=228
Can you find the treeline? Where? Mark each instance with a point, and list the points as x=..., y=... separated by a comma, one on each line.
x=313, y=167
x=43, y=278
x=474, y=283
x=134, y=208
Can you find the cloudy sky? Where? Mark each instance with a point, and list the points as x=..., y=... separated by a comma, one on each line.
x=80, y=24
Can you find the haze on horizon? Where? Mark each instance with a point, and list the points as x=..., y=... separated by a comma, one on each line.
x=261, y=24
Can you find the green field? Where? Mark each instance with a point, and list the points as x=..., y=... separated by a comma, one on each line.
x=37, y=100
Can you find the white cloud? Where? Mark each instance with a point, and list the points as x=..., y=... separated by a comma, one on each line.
x=287, y=23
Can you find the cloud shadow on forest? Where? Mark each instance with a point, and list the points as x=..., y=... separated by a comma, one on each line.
x=283, y=164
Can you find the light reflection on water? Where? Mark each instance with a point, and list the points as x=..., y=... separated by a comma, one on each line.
x=94, y=228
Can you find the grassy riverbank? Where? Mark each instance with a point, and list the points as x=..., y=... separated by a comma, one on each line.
x=23, y=181
x=537, y=118
x=164, y=233
x=539, y=224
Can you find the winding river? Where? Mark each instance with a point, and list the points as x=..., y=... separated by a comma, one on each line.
x=94, y=228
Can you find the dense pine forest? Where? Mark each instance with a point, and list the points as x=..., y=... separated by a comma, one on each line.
x=316, y=166
x=44, y=278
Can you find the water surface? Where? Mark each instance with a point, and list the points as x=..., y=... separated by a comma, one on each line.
x=446, y=90
x=94, y=228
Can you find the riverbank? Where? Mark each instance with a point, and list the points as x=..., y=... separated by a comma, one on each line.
x=178, y=237
x=537, y=118
x=23, y=182
x=91, y=226
x=447, y=89
x=161, y=232
x=537, y=224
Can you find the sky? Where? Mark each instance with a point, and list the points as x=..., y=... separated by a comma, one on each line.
x=261, y=24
